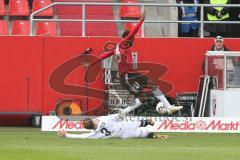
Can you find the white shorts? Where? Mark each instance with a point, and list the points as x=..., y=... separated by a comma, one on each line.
x=132, y=129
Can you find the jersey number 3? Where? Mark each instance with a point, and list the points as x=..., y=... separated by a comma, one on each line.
x=105, y=131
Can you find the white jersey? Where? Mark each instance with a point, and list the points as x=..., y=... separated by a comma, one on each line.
x=108, y=126
x=112, y=126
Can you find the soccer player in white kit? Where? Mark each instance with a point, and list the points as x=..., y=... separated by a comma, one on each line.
x=113, y=126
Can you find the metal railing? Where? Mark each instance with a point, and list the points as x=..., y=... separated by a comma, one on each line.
x=225, y=56
x=142, y=5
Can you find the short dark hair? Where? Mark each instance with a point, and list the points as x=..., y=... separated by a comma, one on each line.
x=125, y=33
x=88, y=123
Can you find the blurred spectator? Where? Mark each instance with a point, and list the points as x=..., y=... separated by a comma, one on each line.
x=216, y=72
x=218, y=14
x=235, y=16
x=217, y=46
x=188, y=14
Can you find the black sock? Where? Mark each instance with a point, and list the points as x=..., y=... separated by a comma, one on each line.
x=144, y=123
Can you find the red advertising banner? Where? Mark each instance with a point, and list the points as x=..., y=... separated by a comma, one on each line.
x=162, y=124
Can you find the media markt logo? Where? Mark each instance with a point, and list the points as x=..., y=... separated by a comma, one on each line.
x=201, y=125
x=223, y=126
x=66, y=124
x=204, y=125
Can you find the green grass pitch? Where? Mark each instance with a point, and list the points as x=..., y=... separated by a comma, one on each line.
x=31, y=144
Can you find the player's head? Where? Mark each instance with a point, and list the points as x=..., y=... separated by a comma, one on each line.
x=88, y=123
x=125, y=33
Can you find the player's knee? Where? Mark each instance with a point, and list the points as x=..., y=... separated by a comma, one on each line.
x=142, y=132
x=157, y=92
x=143, y=97
x=153, y=87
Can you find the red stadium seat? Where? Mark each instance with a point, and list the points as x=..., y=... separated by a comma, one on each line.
x=2, y=8
x=92, y=28
x=46, y=28
x=18, y=8
x=20, y=27
x=3, y=27
x=130, y=12
x=129, y=26
x=38, y=4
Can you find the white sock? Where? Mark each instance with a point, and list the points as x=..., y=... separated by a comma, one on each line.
x=159, y=95
x=133, y=106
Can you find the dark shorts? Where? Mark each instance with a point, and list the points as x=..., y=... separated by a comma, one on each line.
x=134, y=83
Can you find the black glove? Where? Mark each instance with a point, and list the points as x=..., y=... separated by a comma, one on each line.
x=223, y=11
x=215, y=11
x=219, y=15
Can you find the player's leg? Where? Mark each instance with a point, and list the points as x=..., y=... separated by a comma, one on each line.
x=167, y=107
x=129, y=127
x=133, y=129
x=130, y=83
x=143, y=132
x=138, y=82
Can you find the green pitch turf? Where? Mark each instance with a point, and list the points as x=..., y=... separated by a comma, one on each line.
x=31, y=144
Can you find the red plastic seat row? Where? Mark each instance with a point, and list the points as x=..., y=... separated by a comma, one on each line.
x=92, y=28
x=38, y=4
x=2, y=8
x=21, y=7
x=130, y=12
x=3, y=27
x=18, y=8
x=46, y=28
x=22, y=27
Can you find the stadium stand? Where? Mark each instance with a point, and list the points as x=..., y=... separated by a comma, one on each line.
x=20, y=27
x=38, y=4
x=2, y=8
x=46, y=28
x=129, y=26
x=92, y=12
x=3, y=27
x=161, y=13
x=18, y=8
x=130, y=12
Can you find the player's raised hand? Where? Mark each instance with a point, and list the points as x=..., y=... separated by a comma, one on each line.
x=144, y=14
x=61, y=133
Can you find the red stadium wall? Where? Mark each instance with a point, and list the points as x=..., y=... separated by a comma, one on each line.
x=27, y=63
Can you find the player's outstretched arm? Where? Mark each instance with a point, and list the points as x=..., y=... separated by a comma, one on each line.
x=91, y=135
x=134, y=31
x=102, y=57
x=63, y=133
